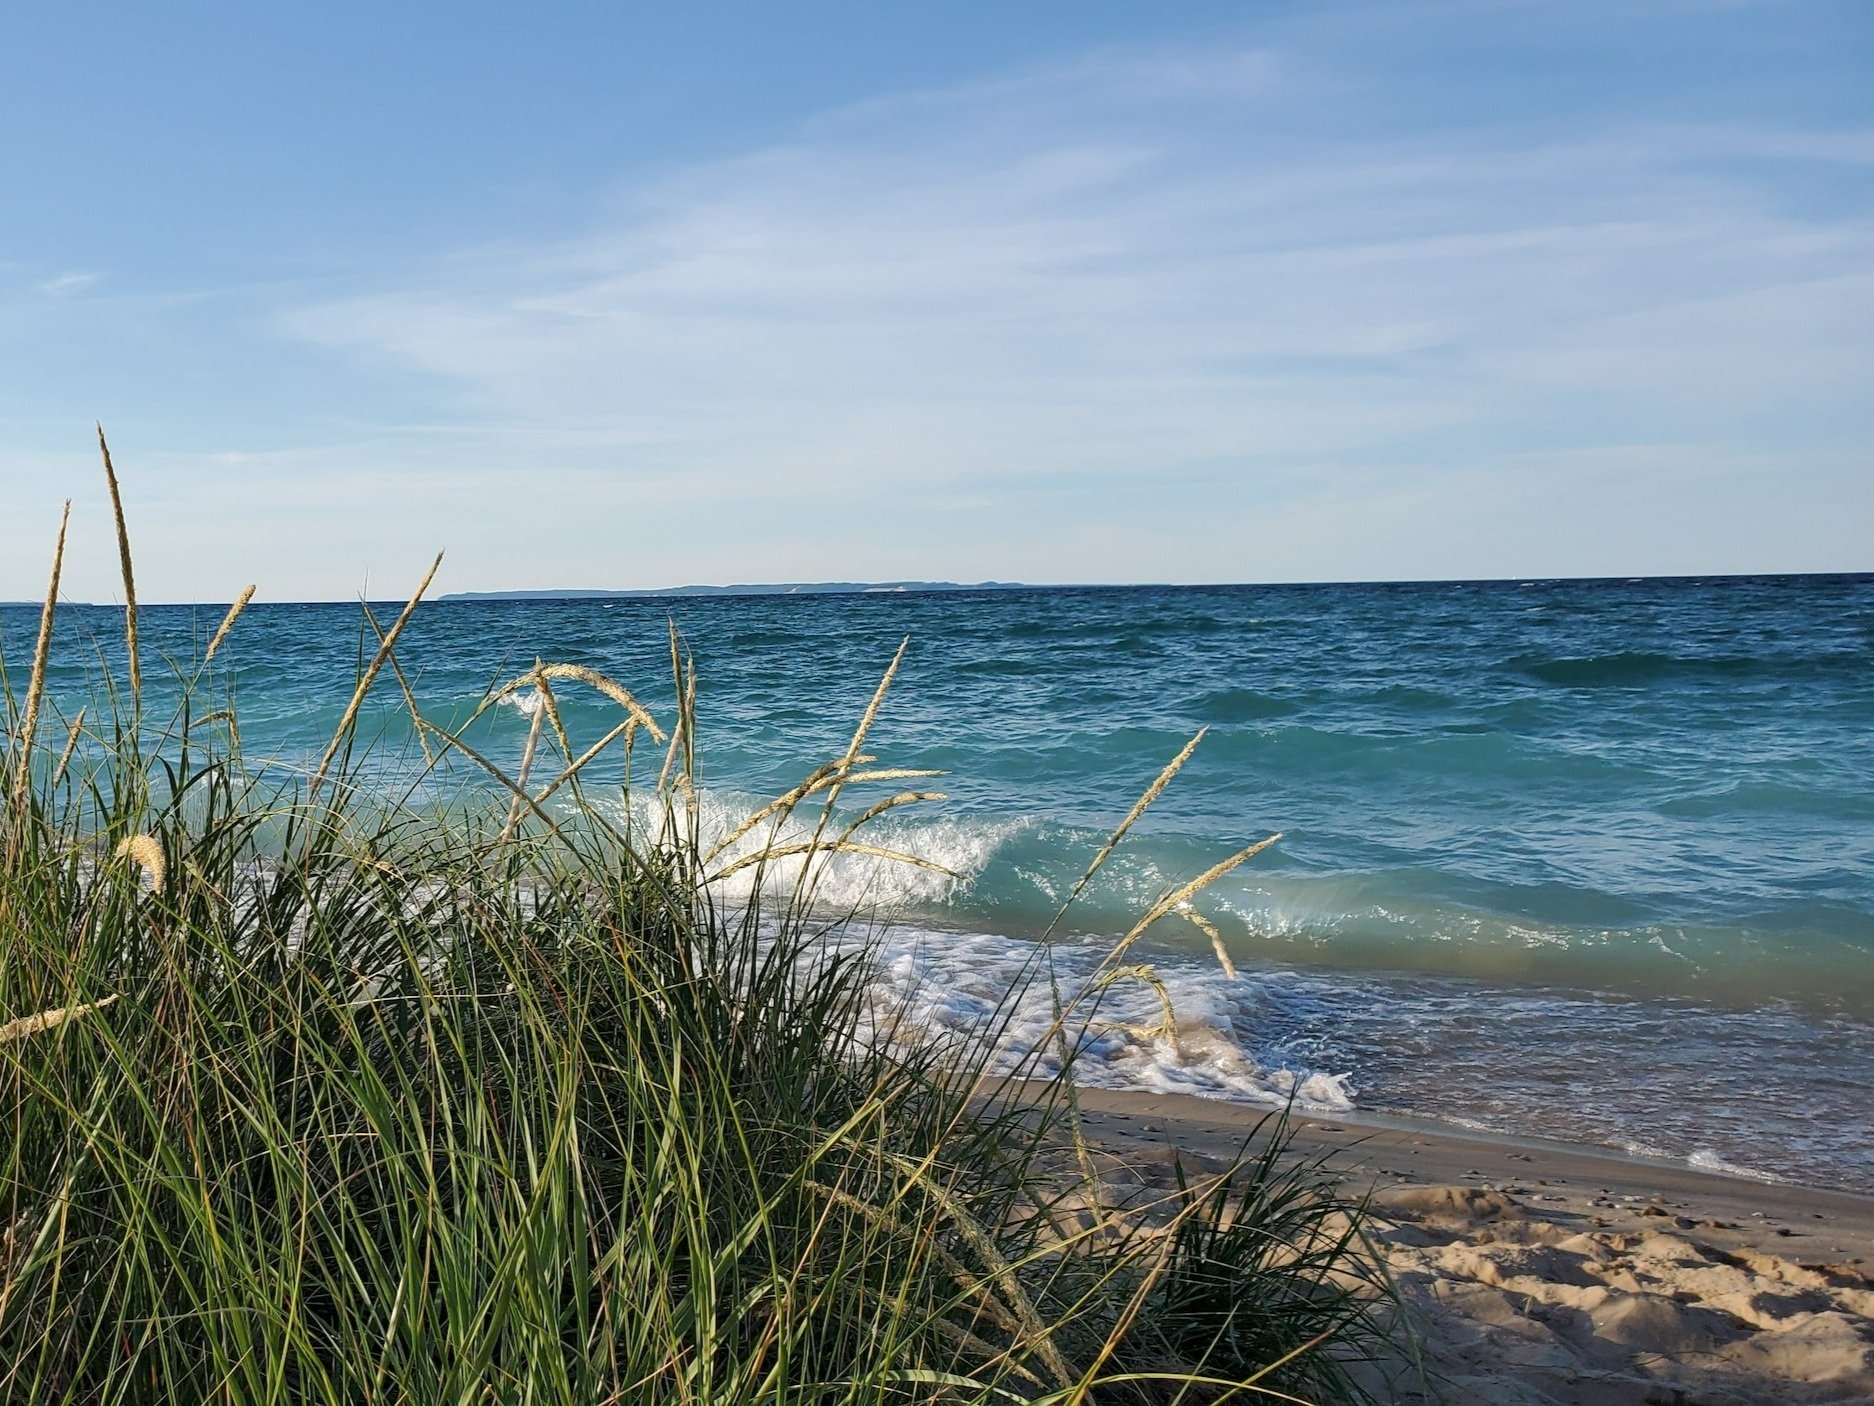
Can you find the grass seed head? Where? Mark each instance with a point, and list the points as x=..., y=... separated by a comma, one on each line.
x=147, y=854
x=46, y=1020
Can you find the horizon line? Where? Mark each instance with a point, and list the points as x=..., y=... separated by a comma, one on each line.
x=740, y=590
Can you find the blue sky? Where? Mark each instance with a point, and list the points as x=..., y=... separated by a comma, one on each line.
x=622, y=295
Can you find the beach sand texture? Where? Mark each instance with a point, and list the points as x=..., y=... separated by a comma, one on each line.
x=1543, y=1273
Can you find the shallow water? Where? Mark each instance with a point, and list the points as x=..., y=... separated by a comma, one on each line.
x=1587, y=859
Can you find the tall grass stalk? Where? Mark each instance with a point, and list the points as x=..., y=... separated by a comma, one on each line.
x=312, y=1096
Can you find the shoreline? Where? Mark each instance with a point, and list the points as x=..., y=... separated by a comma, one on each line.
x=1544, y=1272
x=1390, y=1149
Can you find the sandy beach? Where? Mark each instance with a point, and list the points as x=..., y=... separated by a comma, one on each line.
x=1539, y=1272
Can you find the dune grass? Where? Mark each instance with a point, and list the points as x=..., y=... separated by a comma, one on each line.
x=313, y=1096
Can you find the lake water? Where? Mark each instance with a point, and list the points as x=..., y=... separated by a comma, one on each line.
x=1592, y=860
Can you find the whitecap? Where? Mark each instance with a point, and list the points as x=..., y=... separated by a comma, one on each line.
x=1707, y=1160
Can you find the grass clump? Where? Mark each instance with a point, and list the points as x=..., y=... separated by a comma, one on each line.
x=311, y=1096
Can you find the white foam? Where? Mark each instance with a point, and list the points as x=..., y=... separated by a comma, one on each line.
x=969, y=987
x=1704, y=1160
x=1646, y=1149
x=525, y=703
x=842, y=881
x=1708, y=1161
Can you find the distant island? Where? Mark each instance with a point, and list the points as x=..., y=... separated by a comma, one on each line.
x=784, y=588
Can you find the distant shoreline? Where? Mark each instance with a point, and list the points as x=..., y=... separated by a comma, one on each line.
x=806, y=588
x=849, y=588
x=783, y=588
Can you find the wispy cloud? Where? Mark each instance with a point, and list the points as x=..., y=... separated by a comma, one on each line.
x=64, y=284
x=1108, y=266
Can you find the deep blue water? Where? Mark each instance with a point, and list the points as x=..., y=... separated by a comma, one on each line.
x=1593, y=859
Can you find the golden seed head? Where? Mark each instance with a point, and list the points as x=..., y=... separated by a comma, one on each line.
x=47, y=1020
x=147, y=854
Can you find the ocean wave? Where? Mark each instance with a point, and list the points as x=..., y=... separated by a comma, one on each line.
x=526, y=702
x=1374, y=750
x=1010, y=874
x=957, y=848
x=1768, y=798
x=1708, y=1161
x=996, y=666
x=1638, y=668
x=932, y=984
x=935, y=987
x=1236, y=705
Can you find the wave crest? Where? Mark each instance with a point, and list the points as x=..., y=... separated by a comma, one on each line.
x=962, y=846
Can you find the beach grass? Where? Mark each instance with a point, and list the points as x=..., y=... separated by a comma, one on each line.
x=318, y=1094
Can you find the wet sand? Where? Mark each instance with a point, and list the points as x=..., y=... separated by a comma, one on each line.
x=1542, y=1272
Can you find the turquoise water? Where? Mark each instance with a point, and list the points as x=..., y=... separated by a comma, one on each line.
x=1589, y=859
